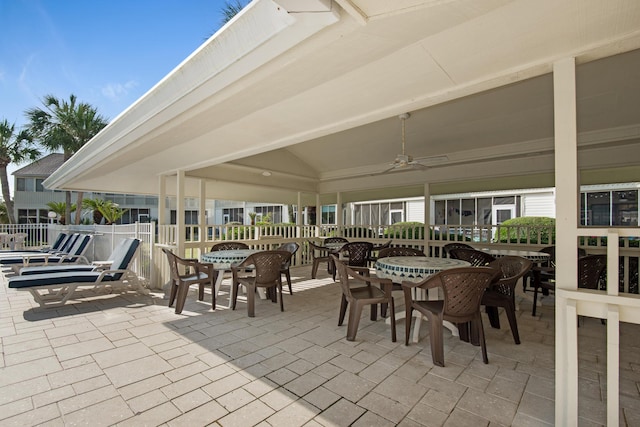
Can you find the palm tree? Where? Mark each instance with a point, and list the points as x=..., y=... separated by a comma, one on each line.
x=60, y=208
x=67, y=126
x=4, y=216
x=231, y=9
x=111, y=211
x=94, y=206
x=14, y=148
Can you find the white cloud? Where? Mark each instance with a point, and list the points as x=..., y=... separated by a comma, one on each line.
x=116, y=91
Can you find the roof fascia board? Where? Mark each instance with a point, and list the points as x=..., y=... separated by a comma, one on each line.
x=254, y=37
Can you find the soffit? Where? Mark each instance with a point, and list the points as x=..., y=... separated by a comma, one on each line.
x=322, y=115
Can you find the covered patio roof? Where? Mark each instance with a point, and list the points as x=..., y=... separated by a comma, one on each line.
x=310, y=91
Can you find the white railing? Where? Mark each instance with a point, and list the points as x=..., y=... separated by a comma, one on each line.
x=107, y=236
x=413, y=234
x=607, y=304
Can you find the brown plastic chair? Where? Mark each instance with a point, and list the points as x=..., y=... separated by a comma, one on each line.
x=456, y=245
x=293, y=248
x=322, y=256
x=474, y=257
x=396, y=251
x=591, y=269
x=357, y=291
x=195, y=273
x=501, y=293
x=228, y=246
x=462, y=289
x=357, y=254
x=267, y=266
x=375, y=251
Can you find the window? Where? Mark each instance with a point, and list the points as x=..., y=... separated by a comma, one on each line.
x=624, y=208
x=133, y=215
x=233, y=215
x=39, y=187
x=329, y=214
x=609, y=208
x=27, y=216
x=598, y=208
x=468, y=212
x=190, y=217
x=453, y=212
x=274, y=212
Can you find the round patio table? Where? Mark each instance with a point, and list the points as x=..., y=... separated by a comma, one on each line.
x=222, y=261
x=416, y=269
x=530, y=255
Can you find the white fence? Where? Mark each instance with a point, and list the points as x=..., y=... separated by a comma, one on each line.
x=501, y=237
x=105, y=239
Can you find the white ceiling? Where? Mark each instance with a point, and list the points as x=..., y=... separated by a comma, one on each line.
x=313, y=95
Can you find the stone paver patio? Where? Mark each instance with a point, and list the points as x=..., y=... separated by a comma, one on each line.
x=128, y=360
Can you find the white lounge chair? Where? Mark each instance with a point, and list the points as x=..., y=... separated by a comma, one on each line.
x=54, y=289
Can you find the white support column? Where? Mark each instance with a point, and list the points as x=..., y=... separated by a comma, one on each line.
x=613, y=362
x=162, y=200
x=567, y=209
x=180, y=225
x=339, y=219
x=298, y=216
x=318, y=215
x=202, y=211
x=427, y=217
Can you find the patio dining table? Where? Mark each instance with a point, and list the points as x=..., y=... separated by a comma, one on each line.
x=534, y=256
x=416, y=269
x=222, y=261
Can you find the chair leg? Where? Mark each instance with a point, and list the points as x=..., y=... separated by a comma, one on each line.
x=436, y=339
x=510, y=309
x=535, y=300
x=235, y=287
x=374, y=312
x=383, y=309
x=393, y=321
x=355, y=312
x=343, y=310
x=200, y=291
x=251, y=300
x=494, y=317
x=407, y=324
x=314, y=268
x=288, y=275
x=281, y=299
x=213, y=294
x=172, y=293
x=480, y=332
x=183, y=290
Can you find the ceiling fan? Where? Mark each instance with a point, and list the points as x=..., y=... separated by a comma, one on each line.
x=403, y=161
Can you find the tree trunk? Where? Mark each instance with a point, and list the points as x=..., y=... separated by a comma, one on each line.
x=67, y=209
x=6, y=194
x=79, y=207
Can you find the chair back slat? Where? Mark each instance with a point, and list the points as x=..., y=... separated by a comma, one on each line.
x=474, y=257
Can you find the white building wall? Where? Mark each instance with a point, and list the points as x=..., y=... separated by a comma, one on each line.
x=415, y=210
x=539, y=204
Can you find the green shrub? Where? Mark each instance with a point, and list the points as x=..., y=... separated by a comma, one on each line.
x=404, y=230
x=528, y=226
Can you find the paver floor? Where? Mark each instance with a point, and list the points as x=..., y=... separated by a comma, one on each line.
x=129, y=360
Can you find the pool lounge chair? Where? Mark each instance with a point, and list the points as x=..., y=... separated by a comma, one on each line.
x=62, y=241
x=118, y=253
x=55, y=289
x=74, y=255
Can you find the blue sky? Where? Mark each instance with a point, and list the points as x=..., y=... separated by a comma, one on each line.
x=106, y=52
